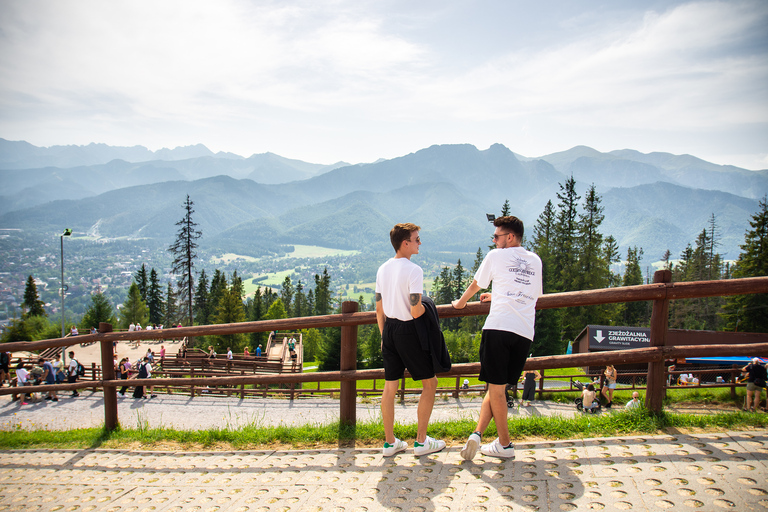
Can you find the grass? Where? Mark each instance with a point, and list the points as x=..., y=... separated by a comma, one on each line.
x=256, y=436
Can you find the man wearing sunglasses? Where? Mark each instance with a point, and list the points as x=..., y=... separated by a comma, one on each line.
x=508, y=330
x=399, y=285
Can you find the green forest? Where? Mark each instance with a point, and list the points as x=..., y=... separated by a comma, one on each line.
x=575, y=253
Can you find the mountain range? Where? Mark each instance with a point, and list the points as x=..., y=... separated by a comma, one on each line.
x=253, y=205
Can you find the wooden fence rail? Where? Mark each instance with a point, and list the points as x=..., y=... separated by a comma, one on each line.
x=660, y=292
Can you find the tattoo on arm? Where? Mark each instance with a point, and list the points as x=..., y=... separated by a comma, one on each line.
x=415, y=298
x=378, y=297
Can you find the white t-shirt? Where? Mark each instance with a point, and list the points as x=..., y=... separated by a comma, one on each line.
x=396, y=280
x=72, y=367
x=21, y=376
x=516, y=276
x=229, y=354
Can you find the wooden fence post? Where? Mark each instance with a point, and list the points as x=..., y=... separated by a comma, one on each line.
x=108, y=373
x=348, y=388
x=654, y=395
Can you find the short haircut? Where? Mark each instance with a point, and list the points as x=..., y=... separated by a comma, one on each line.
x=511, y=224
x=402, y=232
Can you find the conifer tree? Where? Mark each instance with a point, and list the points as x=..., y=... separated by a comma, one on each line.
x=202, y=299
x=134, y=310
x=548, y=337
x=300, y=301
x=634, y=314
x=100, y=310
x=323, y=298
x=230, y=310
x=255, y=312
x=142, y=281
x=286, y=295
x=32, y=303
x=218, y=285
x=565, y=266
x=184, y=251
x=171, y=308
x=749, y=313
x=155, y=298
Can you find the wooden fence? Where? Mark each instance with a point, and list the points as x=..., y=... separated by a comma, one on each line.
x=660, y=292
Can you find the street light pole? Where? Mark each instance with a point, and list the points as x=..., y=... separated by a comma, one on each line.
x=67, y=232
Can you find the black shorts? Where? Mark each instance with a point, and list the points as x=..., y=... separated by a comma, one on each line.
x=402, y=349
x=502, y=356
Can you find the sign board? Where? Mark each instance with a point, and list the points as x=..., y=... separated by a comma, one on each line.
x=604, y=337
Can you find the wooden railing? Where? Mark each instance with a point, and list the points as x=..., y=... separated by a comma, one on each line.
x=660, y=292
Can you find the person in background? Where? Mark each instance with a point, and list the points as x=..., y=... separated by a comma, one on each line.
x=230, y=356
x=258, y=351
x=756, y=381
x=5, y=367
x=72, y=372
x=588, y=395
x=635, y=402
x=162, y=354
x=124, y=368
x=73, y=331
x=610, y=384
x=49, y=377
x=58, y=370
x=22, y=379
x=211, y=352
x=246, y=353
x=529, y=386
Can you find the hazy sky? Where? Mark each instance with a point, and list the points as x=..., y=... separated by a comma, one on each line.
x=358, y=80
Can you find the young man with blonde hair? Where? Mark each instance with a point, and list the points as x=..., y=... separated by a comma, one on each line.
x=399, y=285
x=508, y=330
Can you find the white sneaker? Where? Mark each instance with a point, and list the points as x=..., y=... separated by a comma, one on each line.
x=495, y=449
x=470, y=449
x=428, y=446
x=397, y=446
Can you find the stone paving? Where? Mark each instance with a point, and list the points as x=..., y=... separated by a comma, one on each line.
x=708, y=472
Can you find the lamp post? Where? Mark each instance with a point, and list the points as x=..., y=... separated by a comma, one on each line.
x=67, y=232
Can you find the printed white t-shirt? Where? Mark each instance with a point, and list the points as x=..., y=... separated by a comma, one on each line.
x=396, y=280
x=516, y=276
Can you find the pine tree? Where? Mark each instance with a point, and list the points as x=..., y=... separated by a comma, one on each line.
x=565, y=237
x=171, y=308
x=184, y=255
x=141, y=280
x=100, y=310
x=323, y=298
x=300, y=301
x=505, y=209
x=634, y=314
x=548, y=337
x=286, y=295
x=134, y=310
x=218, y=285
x=311, y=303
x=230, y=310
x=749, y=313
x=155, y=298
x=202, y=299
x=32, y=303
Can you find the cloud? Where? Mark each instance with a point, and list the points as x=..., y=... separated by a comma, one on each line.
x=236, y=70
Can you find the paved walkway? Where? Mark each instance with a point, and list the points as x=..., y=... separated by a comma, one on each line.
x=708, y=472
x=202, y=412
x=725, y=471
